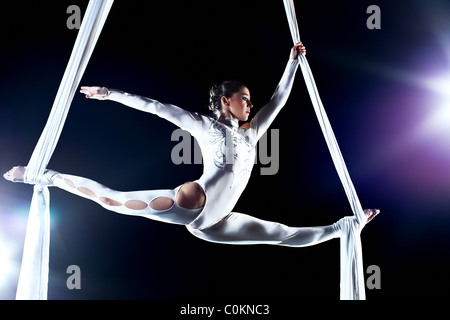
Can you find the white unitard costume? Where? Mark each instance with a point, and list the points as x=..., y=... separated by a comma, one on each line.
x=228, y=158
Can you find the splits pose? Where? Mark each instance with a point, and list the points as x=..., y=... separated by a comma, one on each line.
x=205, y=206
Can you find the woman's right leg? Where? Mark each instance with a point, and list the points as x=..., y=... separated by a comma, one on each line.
x=158, y=205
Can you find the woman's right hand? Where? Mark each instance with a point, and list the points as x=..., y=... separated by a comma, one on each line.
x=100, y=93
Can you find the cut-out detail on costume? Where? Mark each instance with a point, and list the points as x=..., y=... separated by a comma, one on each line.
x=192, y=198
x=161, y=204
x=87, y=191
x=136, y=204
x=110, y=202
x=70, y=183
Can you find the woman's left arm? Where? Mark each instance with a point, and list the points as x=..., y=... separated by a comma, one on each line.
x=267, y=114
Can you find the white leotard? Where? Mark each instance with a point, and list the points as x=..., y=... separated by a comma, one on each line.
x=228, y=150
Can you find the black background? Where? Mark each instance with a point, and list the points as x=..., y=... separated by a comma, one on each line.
x=173, y=51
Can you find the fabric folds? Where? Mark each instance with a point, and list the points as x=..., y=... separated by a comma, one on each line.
x=352, y=276
x=33, y=279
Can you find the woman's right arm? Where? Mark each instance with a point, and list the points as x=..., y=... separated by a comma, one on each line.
x=178, y=116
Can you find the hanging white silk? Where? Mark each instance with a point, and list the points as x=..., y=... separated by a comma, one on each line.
x=33, y=279
x=352, y=276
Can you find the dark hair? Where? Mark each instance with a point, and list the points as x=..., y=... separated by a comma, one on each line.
x=227, y=88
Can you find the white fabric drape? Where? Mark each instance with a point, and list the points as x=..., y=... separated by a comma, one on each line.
x=33, y=279
x=352, y=276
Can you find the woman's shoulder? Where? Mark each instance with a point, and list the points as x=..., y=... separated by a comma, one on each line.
x=246, y=126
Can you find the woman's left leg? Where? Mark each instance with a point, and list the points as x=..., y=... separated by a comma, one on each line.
x=238, y=228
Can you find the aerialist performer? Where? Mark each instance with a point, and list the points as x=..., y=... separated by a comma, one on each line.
x=205, y=206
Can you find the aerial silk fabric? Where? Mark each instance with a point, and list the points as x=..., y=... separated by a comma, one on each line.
x=33, y=279
x=352, y=276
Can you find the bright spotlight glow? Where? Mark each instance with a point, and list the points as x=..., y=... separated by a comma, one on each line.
x=13, y=219
x=7, y=265
x=439, y=85
x=439, y=120
x=437, y=124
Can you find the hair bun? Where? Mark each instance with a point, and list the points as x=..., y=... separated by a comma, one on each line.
x=213, y=91
x=213, y=97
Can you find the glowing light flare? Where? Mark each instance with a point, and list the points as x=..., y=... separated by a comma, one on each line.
x=439, y=85
x=438, y=122
x=414, y=145
x=436, y=125
x=8, y=263
x=10, y=253
x=13, y=219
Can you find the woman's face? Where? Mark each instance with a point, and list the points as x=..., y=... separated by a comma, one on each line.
x=239, y=105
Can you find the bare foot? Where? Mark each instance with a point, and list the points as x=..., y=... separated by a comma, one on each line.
x=16, y=174
x=99, y=93
x=370, y=214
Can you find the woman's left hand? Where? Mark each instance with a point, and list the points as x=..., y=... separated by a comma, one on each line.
x=299, y=48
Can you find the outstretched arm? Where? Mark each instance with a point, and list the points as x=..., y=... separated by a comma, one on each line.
x=266, y=115
x=178, y=116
